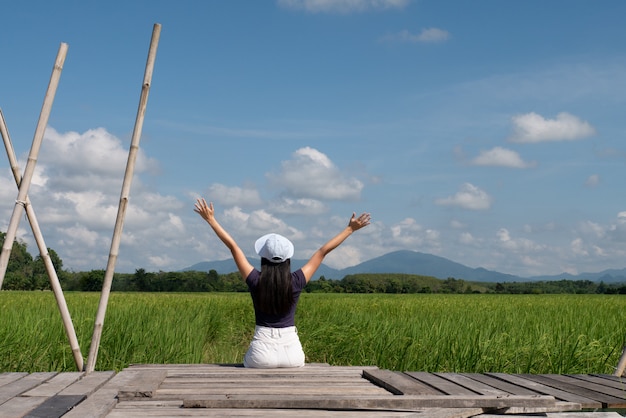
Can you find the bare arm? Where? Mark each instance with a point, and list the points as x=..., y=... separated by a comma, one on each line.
x=208, y=214
x=355, y=224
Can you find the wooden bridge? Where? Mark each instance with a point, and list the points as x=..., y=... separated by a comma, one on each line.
x=316, y=390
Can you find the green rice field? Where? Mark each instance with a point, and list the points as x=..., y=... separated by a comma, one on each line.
x=420, y=332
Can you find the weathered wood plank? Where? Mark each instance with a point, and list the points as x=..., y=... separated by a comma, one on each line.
x=55, y=384
x=10, y=377
x=500, y=384
x=443, y=385
x=601, y=414
x=121, y=411
x=104, y=399
x=270, y=390
x=473, y=385
x=88, y=384
x=56, y=406
x=144, y=386
x=24, y=384
x=548, y=390
x=356, y=381
x=398, y=383
x=559, y=406
x=571, y=385
x=175, y=380
x=261, y=373
x=599, y=385
x=391, y=402
x=20, y=406
x=602, y=380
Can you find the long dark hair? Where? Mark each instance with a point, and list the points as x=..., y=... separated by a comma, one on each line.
x=274, y=291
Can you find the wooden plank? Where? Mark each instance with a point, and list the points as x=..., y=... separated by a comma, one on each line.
x=548, y=390
x=601, y=380
x=442, y=385
x=10, y=377
x=174, y=380
x=262, y=373
x=104, y=399
x=500, y=384
x=54, y=385
x=88, y=384
x=577, y=414
x=144, y=386
x=136, y=411
x=572, y=385
x=559, y=406
x=390, y=402
x=398, y=383
x=208, y=384
x=269, y=390
x=24, y=384
x=473, y=385
x=55, y=406
x=20, y=406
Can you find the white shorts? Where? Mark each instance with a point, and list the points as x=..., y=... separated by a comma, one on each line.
x=274, y=347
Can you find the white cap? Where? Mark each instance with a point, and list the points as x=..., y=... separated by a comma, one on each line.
x=274, y=247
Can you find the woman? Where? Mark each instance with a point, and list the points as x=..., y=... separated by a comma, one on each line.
x=275, y=289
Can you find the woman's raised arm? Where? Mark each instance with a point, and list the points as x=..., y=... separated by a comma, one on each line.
x=208, y=214
x=316, y=259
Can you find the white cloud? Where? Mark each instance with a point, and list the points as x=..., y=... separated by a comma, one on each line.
x=532, y=128
x=593, y=180
x=234, y=196
x=341, y=6
x=428, y=35
x=409, y=234
x=577, y=246
x=501, y=157
x=468, y=197
x=519, y=245
x=288, y=206
x=311, y=174
x=466, y=238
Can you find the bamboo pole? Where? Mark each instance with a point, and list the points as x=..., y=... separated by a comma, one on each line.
x=43, y=249
x=20, y=202
x=621, y=365
x=119, y=223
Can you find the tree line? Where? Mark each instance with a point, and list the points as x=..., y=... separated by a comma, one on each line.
x=27, y=273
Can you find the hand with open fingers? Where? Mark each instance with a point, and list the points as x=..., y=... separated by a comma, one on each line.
x=205, y=210
x=360, y=222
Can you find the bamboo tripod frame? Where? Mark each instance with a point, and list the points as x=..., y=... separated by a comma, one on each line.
x=23, y=203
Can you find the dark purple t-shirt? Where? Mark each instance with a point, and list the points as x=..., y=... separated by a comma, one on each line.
x=298, y=281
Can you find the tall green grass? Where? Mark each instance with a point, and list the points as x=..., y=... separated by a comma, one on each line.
x=463, y=333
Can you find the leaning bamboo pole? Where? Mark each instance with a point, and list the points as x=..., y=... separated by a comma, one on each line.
x=119, y=222
x=20, y=202
x=43, y=249
x=621, y=365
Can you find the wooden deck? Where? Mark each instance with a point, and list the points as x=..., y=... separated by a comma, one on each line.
x=315, y=390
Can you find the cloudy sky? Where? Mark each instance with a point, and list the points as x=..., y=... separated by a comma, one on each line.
x=491, y=133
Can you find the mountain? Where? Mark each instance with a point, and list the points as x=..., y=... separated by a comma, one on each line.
x=228, y=266
x=407, y=262
x=606, y=276
x=413, y=262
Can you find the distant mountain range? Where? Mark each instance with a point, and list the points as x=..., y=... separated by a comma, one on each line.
x=413, y=262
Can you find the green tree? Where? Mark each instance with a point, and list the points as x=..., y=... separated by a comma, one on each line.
x=92, y=281
x=19, y=271
x=41, y=280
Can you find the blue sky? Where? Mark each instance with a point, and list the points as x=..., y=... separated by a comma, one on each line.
x=487, y=132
